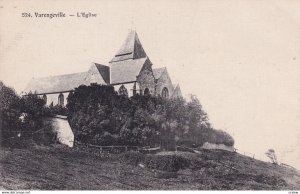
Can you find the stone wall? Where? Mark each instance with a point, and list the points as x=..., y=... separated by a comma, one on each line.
x=177, y=92
x=129, y=88
x=164, y=81
x=64, y=132
x=146, y=78
x=54, y=98
x=208, y=145
x=94, y=76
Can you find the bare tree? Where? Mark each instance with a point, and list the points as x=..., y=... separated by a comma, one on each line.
x=271, y=154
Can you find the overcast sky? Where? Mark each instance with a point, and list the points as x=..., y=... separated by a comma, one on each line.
x=241, y=58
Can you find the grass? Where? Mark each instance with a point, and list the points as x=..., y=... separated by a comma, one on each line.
x=61, y=168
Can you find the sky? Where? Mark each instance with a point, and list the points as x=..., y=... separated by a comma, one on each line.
x=240, y=58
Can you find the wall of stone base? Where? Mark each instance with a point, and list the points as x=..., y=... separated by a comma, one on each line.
x=146, y=79
x=129, y=88
x=164, y=81
x=208, y=145
x=64, y=132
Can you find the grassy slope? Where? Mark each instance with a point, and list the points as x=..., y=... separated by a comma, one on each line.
x=65, y=168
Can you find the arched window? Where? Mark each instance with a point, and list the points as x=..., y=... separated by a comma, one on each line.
x=134, y=88
x=146, y=92
x=61, y=99
x=45, y=98
x=123, y=91
x=165, y=92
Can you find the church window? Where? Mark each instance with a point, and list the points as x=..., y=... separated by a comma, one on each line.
x=134, y=89
x=61, y=99
x=147, y=92
x=123, y=91
x=165, y=92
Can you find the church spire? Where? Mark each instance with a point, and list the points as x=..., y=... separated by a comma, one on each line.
x=131, y=49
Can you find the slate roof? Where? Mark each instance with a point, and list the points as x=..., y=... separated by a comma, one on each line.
x=157, y=72
x=131, y=49
x=124, y=68
x=176, y=91
x=126, y=71
x=63, y=83
x=104, y=71
x=57, y=83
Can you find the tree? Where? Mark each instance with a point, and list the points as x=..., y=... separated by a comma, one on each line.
x=272, y=156
x=9, y=111
x=97, y=114
x=34, y=107
x=20, y=114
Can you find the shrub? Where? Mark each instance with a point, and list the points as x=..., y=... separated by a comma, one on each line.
x=98, y=115
x=170, y=163
x=106, y=139
x=19, y=143
x=9, y=111
x=133, y=158
x=20, y=117
x=56, y=110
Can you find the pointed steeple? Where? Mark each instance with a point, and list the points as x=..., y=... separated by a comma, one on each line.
x=131, y=49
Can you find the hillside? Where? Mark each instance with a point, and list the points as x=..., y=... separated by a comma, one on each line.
x=58, y=167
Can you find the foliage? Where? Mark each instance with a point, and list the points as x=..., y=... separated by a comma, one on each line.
x=21, y=117
x=170, y=163
x=99, y=116
x=9, y=102
x=56, y=110
x=33, y=107
x=133, y=158
x=272, y=156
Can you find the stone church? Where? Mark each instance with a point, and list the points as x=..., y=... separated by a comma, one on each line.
x=130, y=72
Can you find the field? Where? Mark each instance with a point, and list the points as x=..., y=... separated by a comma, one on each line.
x=61, y=168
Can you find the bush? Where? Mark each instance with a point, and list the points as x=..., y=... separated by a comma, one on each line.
x=220, y=137
x=9, y=111
x=56, y=110
x=98, y=115
x=19, y=143
x=20, y=117
x=133, y=158
x=170, y=163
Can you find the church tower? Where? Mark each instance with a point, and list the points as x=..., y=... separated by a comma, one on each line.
x=131, y=49
x=131, y=69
